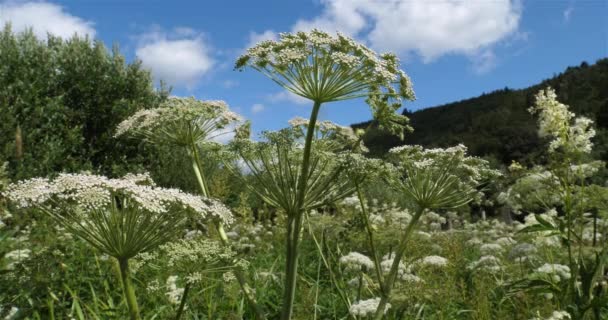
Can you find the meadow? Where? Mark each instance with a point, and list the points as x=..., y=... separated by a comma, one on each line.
x=300, y=223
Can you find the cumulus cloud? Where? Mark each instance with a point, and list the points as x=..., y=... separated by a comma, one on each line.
x=287, y=96
x=44, y=18
x=429, y=29
x=346, y=16
x=180, y=58
x=257, y=108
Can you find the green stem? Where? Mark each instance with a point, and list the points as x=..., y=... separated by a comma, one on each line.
x=197, y=166
x=51, y=305
x=370, y=236
x=245, y=288
x=291, y=267
x=182, y=303
x=317, y=289
x=390, y=279
x=128, y=290
x=294, y=225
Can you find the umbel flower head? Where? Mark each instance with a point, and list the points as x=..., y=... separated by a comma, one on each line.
x=439, y=178
x=275, y=164
x=325, y=68
x=120, y=217
x=338, y=136
x=180, y=121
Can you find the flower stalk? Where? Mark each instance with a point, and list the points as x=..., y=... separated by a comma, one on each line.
x=182, y=303
x=370, y=236
x=294, y=224
x=322, y=68
x=128, y=290
x=392, y=275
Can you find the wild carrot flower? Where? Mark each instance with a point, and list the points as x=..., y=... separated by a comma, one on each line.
x=364, y=308
x=180, y=121
x=488, y=263
x=435, y=261
x=86, y=205
x=356, y=261
x=325, y=68
x=556, y=272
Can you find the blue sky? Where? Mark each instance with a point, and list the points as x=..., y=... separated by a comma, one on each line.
x=451, y=49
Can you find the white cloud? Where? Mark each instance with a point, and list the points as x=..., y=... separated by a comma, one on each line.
x=428, y=28
x=255, y=38
x=346, y=16
x=287, y=96
x=43, y=18
x=257, y=108
x=180, y=58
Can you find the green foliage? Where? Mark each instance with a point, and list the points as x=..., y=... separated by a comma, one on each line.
x=60, y=101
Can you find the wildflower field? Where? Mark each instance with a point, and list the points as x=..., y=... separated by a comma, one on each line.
x=301, y=223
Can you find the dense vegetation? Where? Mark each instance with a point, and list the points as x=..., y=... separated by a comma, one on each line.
x=60, y=101
x=498, y=126
x=301, y=223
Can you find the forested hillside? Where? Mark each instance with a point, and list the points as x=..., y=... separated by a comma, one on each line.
x=497, y=125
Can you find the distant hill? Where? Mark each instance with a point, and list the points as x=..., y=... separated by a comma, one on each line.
x=498, y=126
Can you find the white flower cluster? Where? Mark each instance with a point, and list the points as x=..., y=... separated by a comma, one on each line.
x=471, y=169
x=555, y=120
x=587, y=170
x=506, y=241
x=435, y=261
x=267, y=276
x=331, y=131
x=249, y=237
x=228, y=277
x=355, y=261
x=433, y=220
x=487, y=263
x=404, y=272
x=16, y=256
x=557, y=272
x=93, y=192
x=556, y=315
x=174, y=293
x=364, y=308
x=199, y=251
x=341, y=50
x=547, y=238
x=172, y=120
x=323, y=68
x=352, y=201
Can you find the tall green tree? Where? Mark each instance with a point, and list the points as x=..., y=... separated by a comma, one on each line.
x=60, y=101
